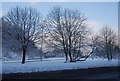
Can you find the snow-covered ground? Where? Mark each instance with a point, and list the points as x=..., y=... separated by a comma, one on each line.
x=52, y=64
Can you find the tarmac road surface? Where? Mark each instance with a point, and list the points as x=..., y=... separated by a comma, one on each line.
x=93, y=73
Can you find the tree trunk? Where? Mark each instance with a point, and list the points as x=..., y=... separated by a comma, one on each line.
x=66, y=56
x=70, y=58
x=70, y=52
x=111, y=52
x=106, y=47
x=70, y=55
x=111, y=57
x=24, y=53
x=108, y=56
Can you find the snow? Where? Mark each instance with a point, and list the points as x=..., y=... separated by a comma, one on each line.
x=53, y=64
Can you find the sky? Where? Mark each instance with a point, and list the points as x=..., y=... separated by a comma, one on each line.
x=97, y=13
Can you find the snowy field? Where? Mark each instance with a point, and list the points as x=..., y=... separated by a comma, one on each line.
x=53, y=64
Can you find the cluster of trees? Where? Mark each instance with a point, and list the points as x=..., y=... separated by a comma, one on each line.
x=106, y=43
x=66, y=30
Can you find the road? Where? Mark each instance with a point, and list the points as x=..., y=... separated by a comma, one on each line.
x=109, y=75
x=94, y=73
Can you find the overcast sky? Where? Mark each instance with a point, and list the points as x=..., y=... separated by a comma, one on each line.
x=97, y=13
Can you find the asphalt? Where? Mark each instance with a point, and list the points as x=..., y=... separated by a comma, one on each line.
x=92, y=73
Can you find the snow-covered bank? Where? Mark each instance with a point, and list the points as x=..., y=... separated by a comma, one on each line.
x=54, y=64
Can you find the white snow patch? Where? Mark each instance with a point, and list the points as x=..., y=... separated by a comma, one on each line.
x=53, y=64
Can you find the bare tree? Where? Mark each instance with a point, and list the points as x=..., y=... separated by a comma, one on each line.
x=68, y=31
x=107, y=38
x=28, y=21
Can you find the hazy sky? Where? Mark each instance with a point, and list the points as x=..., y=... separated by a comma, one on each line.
x=103, y=13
